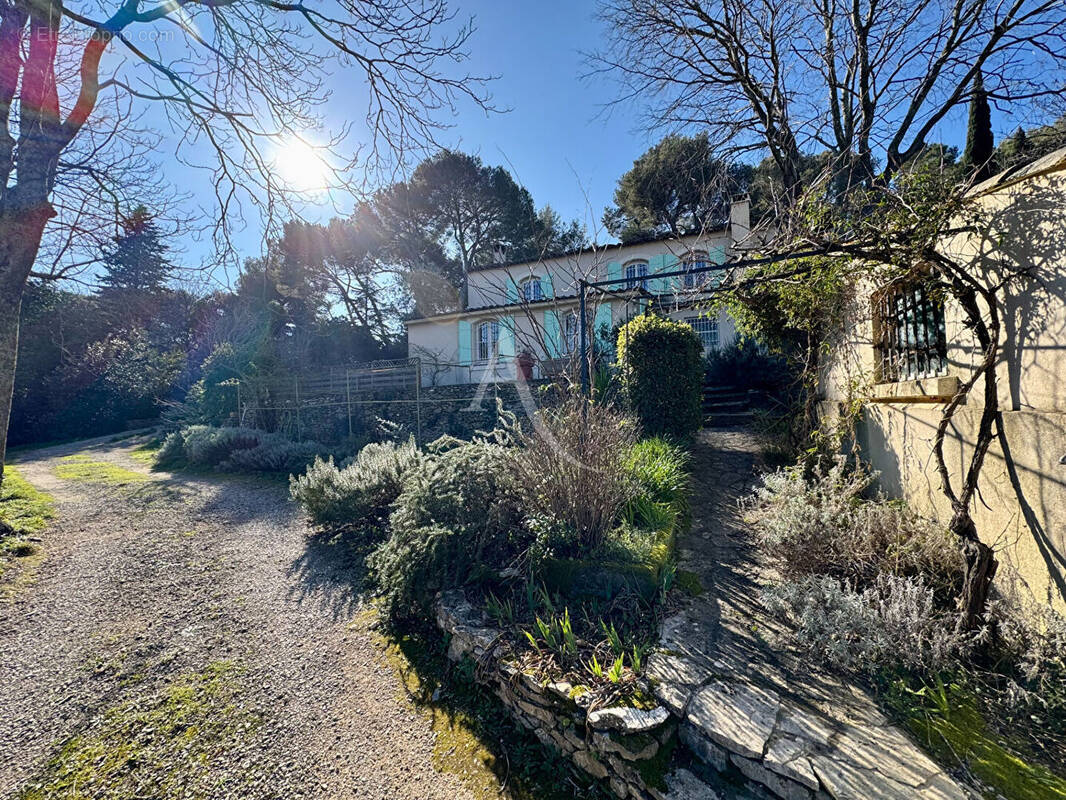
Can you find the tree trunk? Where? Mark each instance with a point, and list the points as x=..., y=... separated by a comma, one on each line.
x=20, y=239
x=980, y=569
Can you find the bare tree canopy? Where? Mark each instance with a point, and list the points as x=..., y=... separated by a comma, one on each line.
x=867, y=81
x=233, y=78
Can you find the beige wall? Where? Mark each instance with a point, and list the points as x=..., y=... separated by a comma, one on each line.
x=1021, y=509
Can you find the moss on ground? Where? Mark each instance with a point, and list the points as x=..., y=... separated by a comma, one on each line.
x=28, y=511
x=476, y=738
x=160, y=747
x=82, y=468
x=22, y=506
x=689, y=582
x=146, y=453
x=952, y=728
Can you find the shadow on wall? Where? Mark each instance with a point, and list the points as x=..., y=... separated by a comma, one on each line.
x=1021, y=504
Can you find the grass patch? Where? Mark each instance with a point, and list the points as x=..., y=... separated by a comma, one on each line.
x=946, y=719
x=22, y=506
x=160, y=747
x=147, y=452
x=82, y=468
x=476, y=738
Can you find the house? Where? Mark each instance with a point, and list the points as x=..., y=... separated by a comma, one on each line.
x=522, y=318
x=910, y=351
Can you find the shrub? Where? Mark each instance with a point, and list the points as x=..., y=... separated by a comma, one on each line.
x=362, y=490
x=273, y=454
x=744, y=365
x=661, y=362
x=570, y=470
x=824, y=526
x=457, y=518
x=894, y=623
x=172, y=451
x=207, y=446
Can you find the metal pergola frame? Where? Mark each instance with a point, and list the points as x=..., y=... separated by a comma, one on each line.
x=603, y=287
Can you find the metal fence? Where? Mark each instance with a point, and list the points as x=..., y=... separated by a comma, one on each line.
x=329, y=403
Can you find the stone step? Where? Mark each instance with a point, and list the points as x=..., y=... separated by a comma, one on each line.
x=727, y=420
x=726, y=405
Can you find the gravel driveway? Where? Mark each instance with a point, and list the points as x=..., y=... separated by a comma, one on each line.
x=148, y=583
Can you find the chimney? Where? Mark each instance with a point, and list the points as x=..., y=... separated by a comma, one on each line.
x=499, y=253
x=740, y=220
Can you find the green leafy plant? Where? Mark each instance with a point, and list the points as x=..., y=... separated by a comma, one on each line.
x=654, y=352
x=614, y=674
x=594, y=666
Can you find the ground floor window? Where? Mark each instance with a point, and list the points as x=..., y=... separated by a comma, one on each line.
x=909, y=334
x=707, y=329
x=570, y=333
x=488, y=340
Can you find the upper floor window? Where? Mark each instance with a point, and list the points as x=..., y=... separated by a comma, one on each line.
x=909, y=334
x=530, y=290
x=636, y=275
x=696, y=260
x=707, y=329
x=488, y=340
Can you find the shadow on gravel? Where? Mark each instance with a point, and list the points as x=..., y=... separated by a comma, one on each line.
x=331, y=571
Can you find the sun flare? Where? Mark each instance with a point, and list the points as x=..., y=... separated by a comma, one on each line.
x=303, y=167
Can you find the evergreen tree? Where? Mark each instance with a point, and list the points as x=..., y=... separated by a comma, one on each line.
x=138, y=258
x=980, y=144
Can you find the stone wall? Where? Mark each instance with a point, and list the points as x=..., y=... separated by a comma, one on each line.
x=625, y=747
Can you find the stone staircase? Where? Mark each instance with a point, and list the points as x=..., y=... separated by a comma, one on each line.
x=726, y=406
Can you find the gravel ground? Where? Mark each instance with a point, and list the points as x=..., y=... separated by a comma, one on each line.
x=147, y=582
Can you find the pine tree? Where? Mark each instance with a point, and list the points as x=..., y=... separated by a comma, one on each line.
x=138, y=258
x=980, y=144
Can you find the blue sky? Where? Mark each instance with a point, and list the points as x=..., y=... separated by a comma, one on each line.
x=555, y=138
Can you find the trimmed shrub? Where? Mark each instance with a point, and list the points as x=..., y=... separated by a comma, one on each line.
x=457, y=519
x=570, y=471
x=824, y=526
x=744, y=365
x=361, y=491
x=236, y=449
x=661, y=363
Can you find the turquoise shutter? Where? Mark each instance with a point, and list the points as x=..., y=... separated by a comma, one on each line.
x=553, y=334
x=655, y=266
x=547, y=286
x=601, y=327
x=614, y=272
x=506, y=348
x=464, y=341
x=715, y=255
x=666, y=263
x=512, y=290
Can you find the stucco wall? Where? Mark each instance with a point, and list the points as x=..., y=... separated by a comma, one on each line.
x=1021, y=508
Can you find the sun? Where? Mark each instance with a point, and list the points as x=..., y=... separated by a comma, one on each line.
x=302, y=166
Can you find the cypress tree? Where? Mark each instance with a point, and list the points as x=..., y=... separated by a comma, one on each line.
x=980, y=144
x=138, y=258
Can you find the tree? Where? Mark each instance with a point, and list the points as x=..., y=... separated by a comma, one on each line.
x=979, y=155
x=137, y=260
x=235, y=78
x=865, y=83
x=677, y=187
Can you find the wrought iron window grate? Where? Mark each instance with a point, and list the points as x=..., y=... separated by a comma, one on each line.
x=909, y=336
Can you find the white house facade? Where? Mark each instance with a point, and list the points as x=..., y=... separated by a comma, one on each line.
x=522, y=318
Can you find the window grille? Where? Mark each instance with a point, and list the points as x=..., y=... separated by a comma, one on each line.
x=636, y=275
x=532, y=291
x=909, y=334
x=707, y=329
x=695, y=261
x=488, y=340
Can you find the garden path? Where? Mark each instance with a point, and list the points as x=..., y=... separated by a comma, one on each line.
x=150, y=578
x=749, y=707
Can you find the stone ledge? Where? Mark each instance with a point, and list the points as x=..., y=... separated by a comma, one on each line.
x=610, y=744
x=923, y=390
